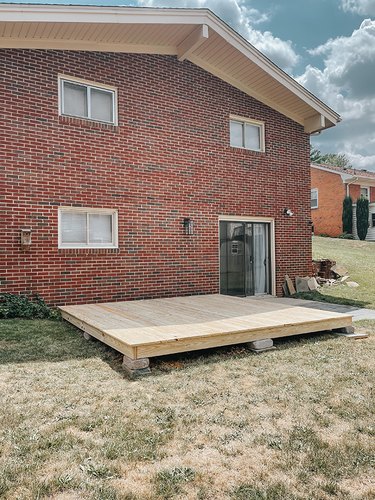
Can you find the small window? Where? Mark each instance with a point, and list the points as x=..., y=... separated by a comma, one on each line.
x=86, y=100
x=247, y=134
x=373, y=219
x=314, y=198
x=365, y=192
x=87, y=228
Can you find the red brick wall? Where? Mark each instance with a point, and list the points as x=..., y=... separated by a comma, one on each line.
x=169, y=158
x=355, y=191
x=327, y=218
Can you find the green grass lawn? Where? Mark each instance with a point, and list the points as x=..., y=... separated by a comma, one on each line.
x=359, y=258
x=294, y=423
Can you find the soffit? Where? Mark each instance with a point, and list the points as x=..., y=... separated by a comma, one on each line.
x=193, y=34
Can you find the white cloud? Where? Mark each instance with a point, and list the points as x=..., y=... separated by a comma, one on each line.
x=242, y=17
x=347, y=84
x=362, y=7
x=350, y=61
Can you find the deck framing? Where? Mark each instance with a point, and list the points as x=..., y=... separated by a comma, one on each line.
x=155, y=327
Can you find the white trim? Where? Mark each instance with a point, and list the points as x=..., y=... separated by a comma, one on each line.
x=268, y=220
x=162, y=16
x=61, y=78
x=348, y=178
x=256, y=123
x=344, y=177
x=89, y=210
x=315, y=190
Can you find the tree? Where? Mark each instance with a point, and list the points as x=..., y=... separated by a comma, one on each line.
x=335, y=159
x=347, y=215
x=362, y=217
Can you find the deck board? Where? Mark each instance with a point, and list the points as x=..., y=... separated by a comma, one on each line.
x=155, y=327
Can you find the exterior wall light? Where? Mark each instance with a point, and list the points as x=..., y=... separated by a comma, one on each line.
x=188, y=226
x=288, y=212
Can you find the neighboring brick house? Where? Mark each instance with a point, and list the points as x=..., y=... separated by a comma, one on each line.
x=329, y=186
x=149, y=153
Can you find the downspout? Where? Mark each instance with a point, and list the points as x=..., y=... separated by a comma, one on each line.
x=355, y=179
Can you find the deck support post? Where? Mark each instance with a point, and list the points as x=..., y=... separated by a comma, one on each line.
x=261, y=345
x=136, y=367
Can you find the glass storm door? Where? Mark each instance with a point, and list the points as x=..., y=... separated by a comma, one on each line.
x=244, y=258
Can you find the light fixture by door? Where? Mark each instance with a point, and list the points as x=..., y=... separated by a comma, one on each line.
x=288, y=212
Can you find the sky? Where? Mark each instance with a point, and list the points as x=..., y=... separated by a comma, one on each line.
x=326, y=45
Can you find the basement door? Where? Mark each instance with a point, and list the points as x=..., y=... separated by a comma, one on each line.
x=245, y=258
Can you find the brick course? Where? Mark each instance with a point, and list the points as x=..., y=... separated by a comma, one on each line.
x=169, y=158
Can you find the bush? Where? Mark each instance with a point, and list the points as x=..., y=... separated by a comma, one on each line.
x=25, y=306
x=346, y=236
x=347, y=215
x=362, y=217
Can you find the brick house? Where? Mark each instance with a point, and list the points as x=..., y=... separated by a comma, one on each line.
x=329, y=186
x=148, y=153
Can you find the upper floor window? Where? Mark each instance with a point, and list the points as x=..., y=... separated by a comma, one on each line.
x=87, y=100
x=365, y=192
x=314, y=198
x=87, y=228
x=247, y=134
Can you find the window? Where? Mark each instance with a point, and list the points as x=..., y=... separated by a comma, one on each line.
x=373, y=219
x=247, y=134
x=314, y=198
x=87, y=100
x=365, y=192
x=87, y=228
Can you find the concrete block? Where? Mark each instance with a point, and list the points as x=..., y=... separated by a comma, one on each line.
x=135, y=364
x=87, y=336
x=136, y=367
x=347, y=330
x=261, y=344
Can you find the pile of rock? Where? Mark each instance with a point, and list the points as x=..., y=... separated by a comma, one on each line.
x=325, y=273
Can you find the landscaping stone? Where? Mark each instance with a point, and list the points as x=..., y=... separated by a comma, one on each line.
x=302, y=284
x=312, y=284
x=352, y=284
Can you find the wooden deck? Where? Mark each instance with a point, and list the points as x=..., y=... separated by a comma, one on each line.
x=147, y=328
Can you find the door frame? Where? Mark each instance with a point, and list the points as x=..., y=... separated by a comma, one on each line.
x=267, y=220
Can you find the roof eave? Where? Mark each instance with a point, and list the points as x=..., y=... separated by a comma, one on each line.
x=322, y=116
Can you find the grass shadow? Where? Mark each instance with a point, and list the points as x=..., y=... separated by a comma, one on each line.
x=165, y=364
x=330, y=299
x=25, y=341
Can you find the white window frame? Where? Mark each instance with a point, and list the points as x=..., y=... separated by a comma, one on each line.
x=315, y=190
x=367, y=190
x=88, y=211
x=256, y=123
x=89, y=85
